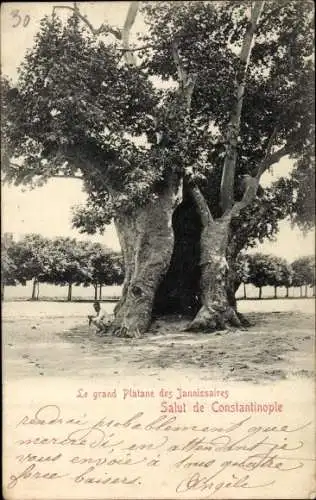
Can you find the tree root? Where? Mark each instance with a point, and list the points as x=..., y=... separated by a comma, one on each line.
x=243, y=320
x=209, y=319
x=124, y=332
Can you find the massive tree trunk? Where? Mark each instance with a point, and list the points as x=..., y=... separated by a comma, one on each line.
x=147, y=239
x=218, y=302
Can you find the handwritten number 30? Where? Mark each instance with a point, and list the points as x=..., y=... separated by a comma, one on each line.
x=16, y=15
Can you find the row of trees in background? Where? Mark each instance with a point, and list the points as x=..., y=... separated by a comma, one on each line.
x=66, y=261
x=269, y=270
x=59, y=261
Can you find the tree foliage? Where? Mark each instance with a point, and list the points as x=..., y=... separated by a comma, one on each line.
x=242, y=268
x=262, y=270
x=60, y=261
x=31, y=258
x=304, y=271
x=61, y=124
x=105, y=267
x=279, y=92
x=73, y=109
x=283, y=273
x=269, y=270
x=8, y=267
x=278, y=97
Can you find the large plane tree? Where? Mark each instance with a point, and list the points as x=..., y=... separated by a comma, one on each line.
x=239, y=98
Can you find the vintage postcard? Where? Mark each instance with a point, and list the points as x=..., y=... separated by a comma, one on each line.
x=157, y=264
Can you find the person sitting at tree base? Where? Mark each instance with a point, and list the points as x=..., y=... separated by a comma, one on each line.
x=101, y=320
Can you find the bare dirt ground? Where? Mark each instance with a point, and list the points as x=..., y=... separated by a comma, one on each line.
x=48, y=339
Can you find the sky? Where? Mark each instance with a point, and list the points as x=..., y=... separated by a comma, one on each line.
x=47, y=210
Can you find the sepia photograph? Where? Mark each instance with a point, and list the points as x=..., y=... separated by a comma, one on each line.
x=158, y=250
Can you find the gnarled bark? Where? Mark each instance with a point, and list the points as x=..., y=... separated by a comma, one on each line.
x=147, y=239
x=216, y=311
x=232, y=285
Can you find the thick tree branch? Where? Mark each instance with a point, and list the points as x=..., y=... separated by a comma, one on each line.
x=65, y=176
x=58, y=176
x=228, y=176
x=186, y=81
x=129, y=22
x=176, y=57
x=273, y=158
x=104, y=29
x=251, y=184
x=202, y=206
x=136, y=49
x=250, y=190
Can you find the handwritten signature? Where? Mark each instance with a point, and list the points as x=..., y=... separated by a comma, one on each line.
x=196, y=482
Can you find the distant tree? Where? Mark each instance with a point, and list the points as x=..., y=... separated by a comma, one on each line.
x=242, y=271
x=282, y=274
x=105, y=268
x=287, y=277
x=117, y=268
x=304, y=273
x=68, y=263
x=97, y=261
x=8, y=269
x=31, y=259
x=262, y=271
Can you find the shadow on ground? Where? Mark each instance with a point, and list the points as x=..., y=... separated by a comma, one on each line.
x=277, y=346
